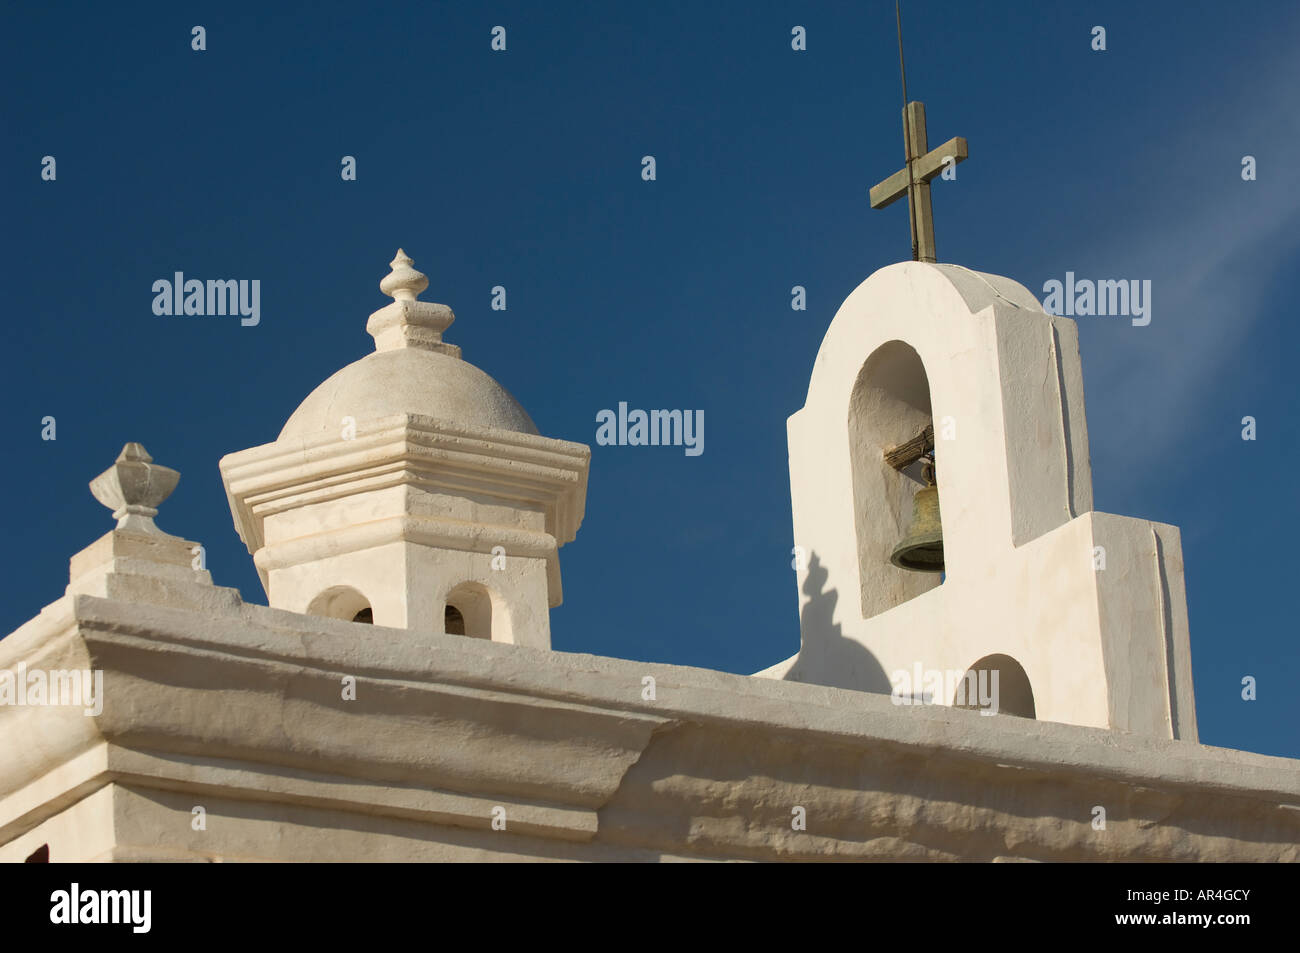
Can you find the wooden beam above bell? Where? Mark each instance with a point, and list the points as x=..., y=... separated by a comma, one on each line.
x=905, y=454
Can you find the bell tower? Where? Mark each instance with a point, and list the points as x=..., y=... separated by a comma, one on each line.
x=411, y=490
x=1081, y=615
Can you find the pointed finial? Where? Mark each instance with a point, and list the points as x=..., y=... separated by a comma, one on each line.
x=133, y=487
x=404, y=321
x=403, y=283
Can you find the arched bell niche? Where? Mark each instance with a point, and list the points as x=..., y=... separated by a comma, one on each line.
x=889, y=405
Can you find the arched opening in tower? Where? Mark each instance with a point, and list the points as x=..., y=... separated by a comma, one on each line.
x=997, y=684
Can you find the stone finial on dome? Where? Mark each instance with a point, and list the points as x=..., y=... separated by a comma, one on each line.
x=403, y=283
x=133, y=487
x=408, y=322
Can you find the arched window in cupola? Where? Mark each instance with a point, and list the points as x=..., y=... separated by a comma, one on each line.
x=342, y=602
x=473, y=610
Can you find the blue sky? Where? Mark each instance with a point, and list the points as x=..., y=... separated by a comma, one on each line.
x=522, y=169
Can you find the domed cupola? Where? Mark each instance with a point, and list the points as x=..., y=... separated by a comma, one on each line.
x=412, y=370
x=410, y=489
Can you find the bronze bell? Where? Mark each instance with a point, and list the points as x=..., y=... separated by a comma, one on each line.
x=921, y=550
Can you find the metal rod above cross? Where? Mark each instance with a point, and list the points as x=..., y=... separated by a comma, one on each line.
x=913, y=180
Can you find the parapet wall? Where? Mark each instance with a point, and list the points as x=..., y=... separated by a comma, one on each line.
x=241, y=711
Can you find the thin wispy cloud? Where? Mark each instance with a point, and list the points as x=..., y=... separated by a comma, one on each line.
x=1211, y=257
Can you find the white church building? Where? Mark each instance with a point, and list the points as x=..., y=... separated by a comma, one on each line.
x=989, y=669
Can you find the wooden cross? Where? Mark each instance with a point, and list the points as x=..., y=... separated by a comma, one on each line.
x=914, y=179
